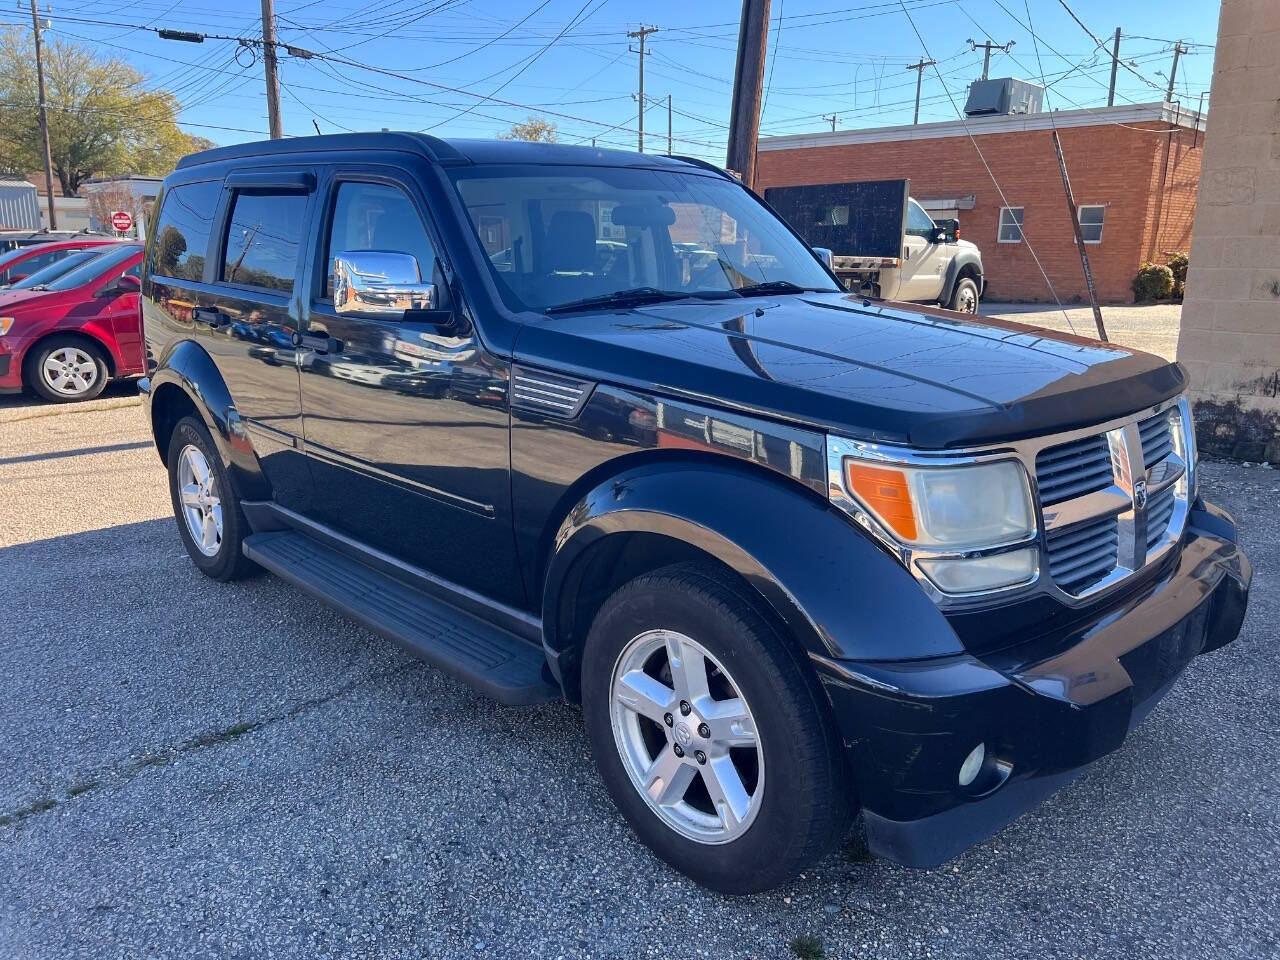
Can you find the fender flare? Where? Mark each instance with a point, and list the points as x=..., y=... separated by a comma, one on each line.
x=189, y=367
x=805, y=558
x=962, y=259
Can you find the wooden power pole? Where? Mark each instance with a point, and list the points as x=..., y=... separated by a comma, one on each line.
x=748, y=85
x=44, y=118
x=1115, y=63
x=272, y=70
x=919, y=69
x=638, y=36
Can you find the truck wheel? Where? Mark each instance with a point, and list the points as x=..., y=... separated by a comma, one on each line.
x=965, y=296
x=711, y=738
x=66, y=369
x=210, y=520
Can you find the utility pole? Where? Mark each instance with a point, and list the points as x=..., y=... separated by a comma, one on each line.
x=1178, y=51
x=833, y=117
x=988, y=47
x=269, y=61
x=639, y=36
x=1115, y=64
x=748, y=84
x=668, y=124
x=1075, y=226
x=919, y=69
x=44, y=119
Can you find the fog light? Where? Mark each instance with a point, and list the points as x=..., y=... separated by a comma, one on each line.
x=972, y=765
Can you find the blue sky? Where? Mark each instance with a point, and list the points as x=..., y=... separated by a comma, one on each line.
x=568, y=61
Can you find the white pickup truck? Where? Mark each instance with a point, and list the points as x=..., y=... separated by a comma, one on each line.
x=879, y=241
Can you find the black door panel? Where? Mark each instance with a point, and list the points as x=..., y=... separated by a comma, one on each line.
x=405, y=418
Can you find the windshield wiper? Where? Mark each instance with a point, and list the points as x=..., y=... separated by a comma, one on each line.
x=634, y=297
x=776, y=286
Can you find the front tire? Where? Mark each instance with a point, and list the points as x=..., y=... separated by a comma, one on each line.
x=210, y=520
x=711, y=737
x=67, y=370
x=964, y=299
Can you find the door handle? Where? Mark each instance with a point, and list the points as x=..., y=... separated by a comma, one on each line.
x=318, y=344
x=211, y=316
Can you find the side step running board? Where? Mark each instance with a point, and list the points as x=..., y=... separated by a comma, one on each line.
x=495, y=662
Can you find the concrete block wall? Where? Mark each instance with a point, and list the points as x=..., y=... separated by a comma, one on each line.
x=1230, y=334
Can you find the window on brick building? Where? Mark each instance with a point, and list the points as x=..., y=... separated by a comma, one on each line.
x=1091, y=219
x=1010, y=225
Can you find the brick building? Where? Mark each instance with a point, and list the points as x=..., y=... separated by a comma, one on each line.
x=1134, y=172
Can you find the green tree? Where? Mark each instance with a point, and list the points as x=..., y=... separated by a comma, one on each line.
x=533, y=129
x=103, y=119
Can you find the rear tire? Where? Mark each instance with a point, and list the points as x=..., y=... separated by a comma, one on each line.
x=210, y=520
x=750, y=785
x=964, y=298
x=67, y=370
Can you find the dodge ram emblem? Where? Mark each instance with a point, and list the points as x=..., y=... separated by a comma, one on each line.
x=1140, y=495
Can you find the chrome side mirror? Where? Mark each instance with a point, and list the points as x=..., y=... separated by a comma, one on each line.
x=826, y=256
x=377, y=283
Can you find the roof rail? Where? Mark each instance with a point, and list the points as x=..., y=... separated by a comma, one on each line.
x=432, y=147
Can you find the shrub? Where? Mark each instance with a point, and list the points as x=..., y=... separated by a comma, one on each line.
x=1178, y=262
x=1153, y=282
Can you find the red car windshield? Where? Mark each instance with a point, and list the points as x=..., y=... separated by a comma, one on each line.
x=88, y=272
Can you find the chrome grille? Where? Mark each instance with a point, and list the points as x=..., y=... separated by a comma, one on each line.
x=1159, y=513
x=1083, y=554
x=1157, y=441
x=1111, y=502
x=1074, y=469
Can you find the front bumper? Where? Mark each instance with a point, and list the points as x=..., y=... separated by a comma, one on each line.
x=1045, y=709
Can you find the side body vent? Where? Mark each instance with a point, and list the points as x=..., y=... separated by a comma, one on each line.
x=550, y=394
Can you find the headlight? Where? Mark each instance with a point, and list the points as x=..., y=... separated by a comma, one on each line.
x=6, y=324
x=964, y=528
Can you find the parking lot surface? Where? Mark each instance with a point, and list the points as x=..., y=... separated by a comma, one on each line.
x=190, y=769
x=1148, y=326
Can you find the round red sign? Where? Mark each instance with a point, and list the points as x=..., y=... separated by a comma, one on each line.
x=121, y=220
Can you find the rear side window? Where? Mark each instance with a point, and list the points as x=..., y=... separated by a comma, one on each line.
x=263, y=238
x=181, y=235
x=31, y=264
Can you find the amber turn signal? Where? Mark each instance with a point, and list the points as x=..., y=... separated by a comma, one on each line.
x=884, y=491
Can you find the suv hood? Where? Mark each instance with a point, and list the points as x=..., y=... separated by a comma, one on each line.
x=931, y=378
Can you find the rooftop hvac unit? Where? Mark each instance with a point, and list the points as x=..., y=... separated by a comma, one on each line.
x=1003, y=97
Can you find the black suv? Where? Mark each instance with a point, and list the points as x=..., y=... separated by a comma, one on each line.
x=595, y=425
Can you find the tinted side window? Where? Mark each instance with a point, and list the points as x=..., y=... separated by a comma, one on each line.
x=263, y=237
x=375, y=216
x=181, y=235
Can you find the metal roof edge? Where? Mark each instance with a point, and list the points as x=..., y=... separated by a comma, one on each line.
x=1087, y=117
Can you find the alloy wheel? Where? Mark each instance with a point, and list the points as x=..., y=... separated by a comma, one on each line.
x=201, y=503
x=69, y=371
x=686, y=737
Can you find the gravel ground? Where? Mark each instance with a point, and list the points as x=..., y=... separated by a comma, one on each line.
x=190, y=769
x=1152, y=327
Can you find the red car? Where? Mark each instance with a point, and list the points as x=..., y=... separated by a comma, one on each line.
x=24, y=261
x=66, y=341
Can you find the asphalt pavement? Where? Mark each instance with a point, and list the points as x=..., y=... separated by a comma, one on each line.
x=190, y=769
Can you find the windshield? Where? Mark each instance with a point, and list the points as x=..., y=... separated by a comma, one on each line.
x=558, y=235
x=91, y=270
x=16, y=253
x=54, y=270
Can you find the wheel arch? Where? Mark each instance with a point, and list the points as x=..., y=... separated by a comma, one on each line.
x=964, y=264
x=189, y=383
x=791, y=549
x=82, y=334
